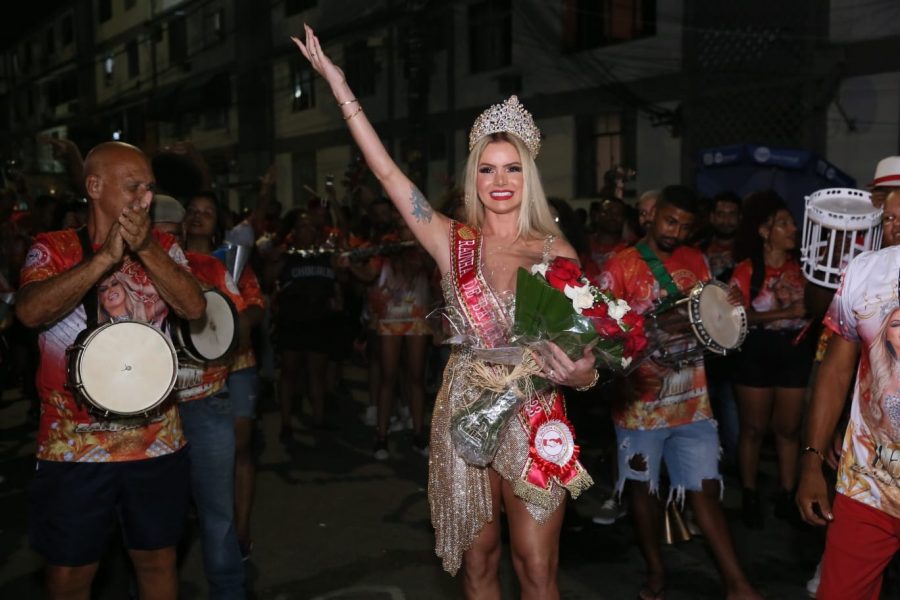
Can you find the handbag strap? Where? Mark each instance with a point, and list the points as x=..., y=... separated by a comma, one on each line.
x=89, y=301
x=661, y=274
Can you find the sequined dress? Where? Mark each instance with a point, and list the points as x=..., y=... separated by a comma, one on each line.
x=459, y=493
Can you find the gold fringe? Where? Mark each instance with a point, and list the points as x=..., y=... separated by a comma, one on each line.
x=534, y=495
x=580, y=483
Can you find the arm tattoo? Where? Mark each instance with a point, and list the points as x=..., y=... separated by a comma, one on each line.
x=421, y=210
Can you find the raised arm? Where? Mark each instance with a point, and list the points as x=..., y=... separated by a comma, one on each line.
x=430, y=228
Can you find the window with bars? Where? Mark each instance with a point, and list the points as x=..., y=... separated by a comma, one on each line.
x=608, y=144
x=134, y=59
x=490, y=35
x=302, y=86
x=594, y=23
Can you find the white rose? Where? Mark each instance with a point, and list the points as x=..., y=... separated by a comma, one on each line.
x=618, y=309
x=581, y=297
x=626, y=360
x=540, y=269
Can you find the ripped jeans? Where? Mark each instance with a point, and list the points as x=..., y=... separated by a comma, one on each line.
x=691, y=452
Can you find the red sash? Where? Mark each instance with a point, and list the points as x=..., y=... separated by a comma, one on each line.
x=553, y=454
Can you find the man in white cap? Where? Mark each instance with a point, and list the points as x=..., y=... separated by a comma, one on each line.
x=167, y=214
x=887, y=177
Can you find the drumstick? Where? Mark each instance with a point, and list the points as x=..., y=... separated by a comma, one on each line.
x=802, y=334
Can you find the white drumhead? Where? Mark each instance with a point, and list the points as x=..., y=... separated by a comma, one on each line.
x=843, y=208
x=721, y=320
x=213, y=333
x=127, y=367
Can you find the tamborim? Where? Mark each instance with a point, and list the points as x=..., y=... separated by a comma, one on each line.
x=839, y=224
x=214, y=335
x=122, y=368
x=704, y=321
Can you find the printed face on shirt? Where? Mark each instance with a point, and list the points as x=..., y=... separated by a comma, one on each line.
x=111, y=295
x=500, y=178
x=671, y=227
x=892, y=332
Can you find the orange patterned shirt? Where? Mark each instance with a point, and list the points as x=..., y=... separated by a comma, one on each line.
x=661, y=397
x=68, y=431
x=196, y=380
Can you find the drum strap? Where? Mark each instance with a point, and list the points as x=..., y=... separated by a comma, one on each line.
x=89, y=301
x=662, y=275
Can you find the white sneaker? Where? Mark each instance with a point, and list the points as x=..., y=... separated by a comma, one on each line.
x=396, y=424
x=381, y=450
x=812, y=586
x=370, y=416
x=610, y=512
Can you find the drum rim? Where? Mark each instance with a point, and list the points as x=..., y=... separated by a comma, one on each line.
x=701, y=332
x=78, y=388
x=186, y=343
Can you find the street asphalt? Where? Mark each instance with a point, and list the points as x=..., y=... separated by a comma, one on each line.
x=330, y=522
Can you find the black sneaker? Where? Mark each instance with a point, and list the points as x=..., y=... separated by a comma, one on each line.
x=751, y=510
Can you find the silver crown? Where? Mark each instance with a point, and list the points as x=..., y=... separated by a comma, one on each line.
x=509, y=117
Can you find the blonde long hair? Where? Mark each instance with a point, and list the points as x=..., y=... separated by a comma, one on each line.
x=535, y=218
x=883, y=366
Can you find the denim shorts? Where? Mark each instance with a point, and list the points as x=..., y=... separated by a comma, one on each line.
x=73, y=507
x=691, y=453
x=243, y=386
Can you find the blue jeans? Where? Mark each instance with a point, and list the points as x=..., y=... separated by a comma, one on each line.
x=691, y=453
x=209, y=429
x=244, y=387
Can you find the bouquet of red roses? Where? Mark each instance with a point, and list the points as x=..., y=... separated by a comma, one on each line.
x=556, y=302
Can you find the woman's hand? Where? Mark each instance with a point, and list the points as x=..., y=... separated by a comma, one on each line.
x=561, y=370
x=312, y=50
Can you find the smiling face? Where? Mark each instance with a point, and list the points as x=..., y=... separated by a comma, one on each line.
x=200, y=217
x=500, y=181
x=111, y=295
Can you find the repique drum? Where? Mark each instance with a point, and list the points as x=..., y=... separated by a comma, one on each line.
x=214, y=335
x=839, y=224
x=122, y=368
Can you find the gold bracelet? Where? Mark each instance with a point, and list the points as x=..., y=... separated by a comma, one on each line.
x=358, y=110
x=351, y=101
x=816, y=451
x=591, y=384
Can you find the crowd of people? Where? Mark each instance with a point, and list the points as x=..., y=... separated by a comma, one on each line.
x=372, y=271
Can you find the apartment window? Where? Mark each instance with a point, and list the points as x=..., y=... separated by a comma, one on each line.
x=104, y=10
x=177, y=40
x=490, y=35
x=594, y=23
x=293, y=7
x=215, y=25
x=359, y=64
x=134, y=59
x=67, y=30
x=108, y=68
x=608, y=144
x=302, y=84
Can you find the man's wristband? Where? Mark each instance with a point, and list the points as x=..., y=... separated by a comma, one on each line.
x=816, y=451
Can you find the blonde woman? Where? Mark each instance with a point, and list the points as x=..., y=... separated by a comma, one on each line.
x=509, y=225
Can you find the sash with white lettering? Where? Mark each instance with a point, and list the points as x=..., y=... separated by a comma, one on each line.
x=553, y=453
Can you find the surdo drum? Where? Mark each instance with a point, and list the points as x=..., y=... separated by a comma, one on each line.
x=704, y=321
x=122, y=368
x=839, y=224
x=213, y=336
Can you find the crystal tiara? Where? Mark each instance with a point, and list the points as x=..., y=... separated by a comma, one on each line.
x=508, y=117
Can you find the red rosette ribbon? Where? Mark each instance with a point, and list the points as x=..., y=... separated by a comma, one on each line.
x=552, y=447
